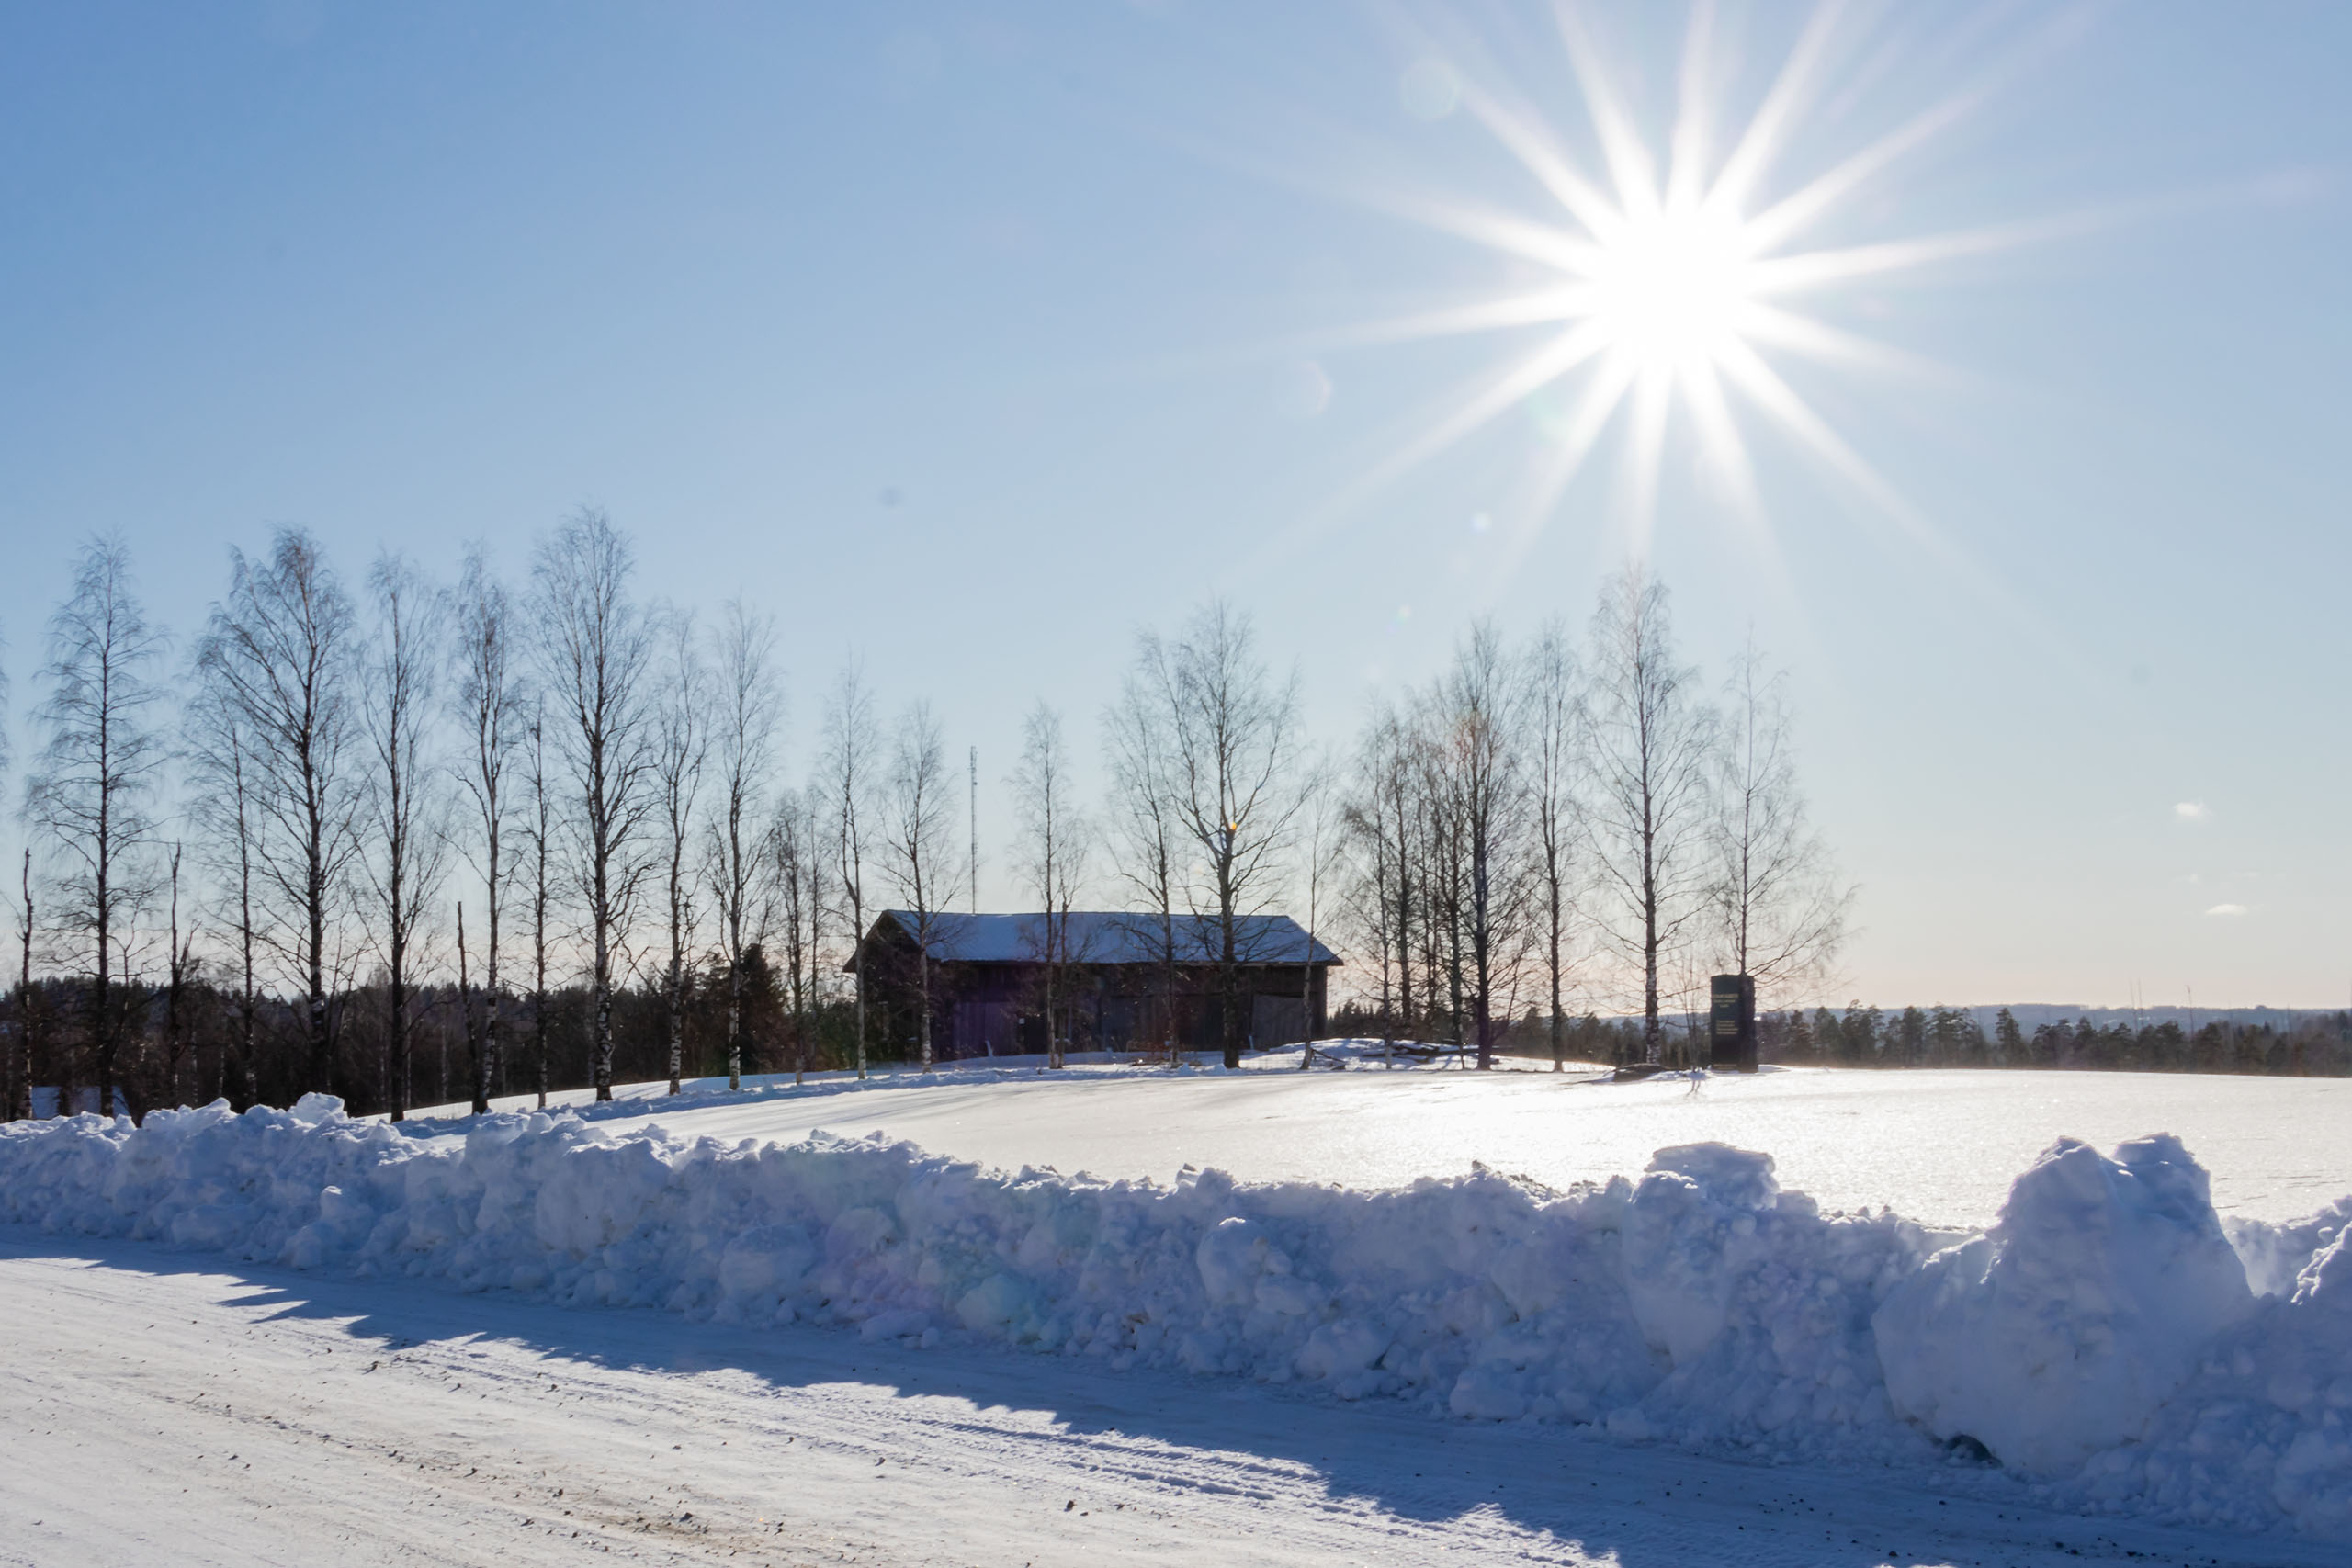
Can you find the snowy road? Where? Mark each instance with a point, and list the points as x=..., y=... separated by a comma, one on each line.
x=1938, y=1146
x=161, y=1407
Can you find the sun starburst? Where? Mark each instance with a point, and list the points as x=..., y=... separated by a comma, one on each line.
x=1669, y=284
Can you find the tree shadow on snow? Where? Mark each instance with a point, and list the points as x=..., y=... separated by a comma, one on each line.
x=1650, y=1507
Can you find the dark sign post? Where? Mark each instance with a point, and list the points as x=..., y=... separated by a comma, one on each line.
x=1733, y=1031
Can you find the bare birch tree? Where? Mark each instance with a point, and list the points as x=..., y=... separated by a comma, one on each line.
x=1474, y=743
x=851, y=744
x=1233, y=786
x=281, y=651
x=224, y=812
x=96, y=773
x=596, y=654
x=1146, y=843
x=1651, y=755
x=749, y=713
x=487, y=706
x=1369, y=865
x=797, y=867
x=1056, y=843
x=407, y=852
x=20, y=1084
x=542, y=833
x=1322, y=824
x=919, y=857
x=16, y=1055
x=180, y=971
x=1383, y=818
x=681, y=745
x=1782, y=907
x=1555, y=723
x=1445, y=873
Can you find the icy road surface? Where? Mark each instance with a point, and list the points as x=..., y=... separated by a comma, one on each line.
x=165, y=1408
x=1938, y=1146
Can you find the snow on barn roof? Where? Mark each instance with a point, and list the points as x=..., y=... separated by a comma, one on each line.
x=1105, y=936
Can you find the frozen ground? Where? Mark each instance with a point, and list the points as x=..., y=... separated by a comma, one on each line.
x=1937, y=1147
x=172, y=1409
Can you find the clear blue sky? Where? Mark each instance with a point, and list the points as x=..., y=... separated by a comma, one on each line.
x=972, y=339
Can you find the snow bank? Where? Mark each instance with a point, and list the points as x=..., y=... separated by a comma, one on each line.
x=1700, y=1305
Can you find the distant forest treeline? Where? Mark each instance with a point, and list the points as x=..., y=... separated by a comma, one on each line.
x=189, y=1048
x=1947, y=1037
x=186, y=1048
x=2312, y=1045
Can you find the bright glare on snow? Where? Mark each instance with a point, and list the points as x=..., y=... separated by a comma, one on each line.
x=1938, y=1146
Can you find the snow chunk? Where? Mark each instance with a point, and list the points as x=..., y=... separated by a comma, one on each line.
x=313, y=1109
x=1691, y=1231
x=2061, y=1331
x=1231, y=1257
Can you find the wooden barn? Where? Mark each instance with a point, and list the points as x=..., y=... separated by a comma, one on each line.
x=1113, y=990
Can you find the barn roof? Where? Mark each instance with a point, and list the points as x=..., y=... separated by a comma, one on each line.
x=1104, y=936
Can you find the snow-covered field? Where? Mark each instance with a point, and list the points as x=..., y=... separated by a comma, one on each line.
x=2109, y=1348
x=1941, y=1147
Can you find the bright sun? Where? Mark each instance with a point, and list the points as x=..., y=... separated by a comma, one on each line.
x=1671, y=282
x=1671, y=289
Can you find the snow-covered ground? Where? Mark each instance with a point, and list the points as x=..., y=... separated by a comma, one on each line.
x=163, y=1408
x=1938, y=1146
x=2105, y=1345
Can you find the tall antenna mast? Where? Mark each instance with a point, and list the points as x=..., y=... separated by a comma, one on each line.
x=975, y=837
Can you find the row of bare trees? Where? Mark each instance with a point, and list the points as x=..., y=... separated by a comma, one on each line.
x=604, y=768
x=300, y=810
x=1557, y=823
x=339, y=752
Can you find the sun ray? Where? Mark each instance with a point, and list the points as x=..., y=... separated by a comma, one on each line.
x=1545, y=365
x=1816, y=438
x=1686, y=164
x=1788, y=216
x=1719, y=440
x=1630, y=167
x=1812, y=270
x=1604, y=393
x=1818, y=341
x=1526, y=138
x=1645, y=452
x=1563, y=457
x=1736, y=181
x=1564, y=303
x=1505, y=232
x=1765, y=388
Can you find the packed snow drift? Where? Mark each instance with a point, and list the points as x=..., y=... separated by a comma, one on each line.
x=2105, y=1338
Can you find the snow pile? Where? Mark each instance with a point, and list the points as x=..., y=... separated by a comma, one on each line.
x=1700, y=1305
x=2058, y=1333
